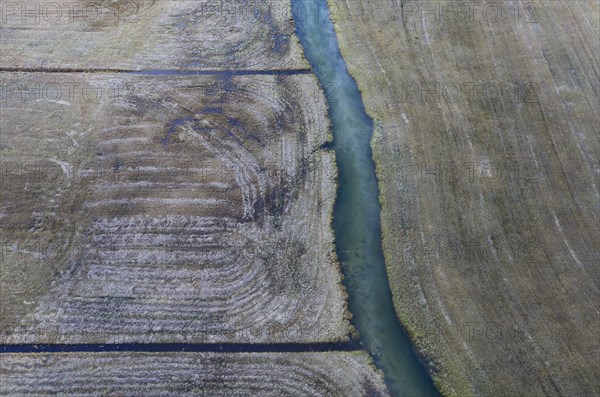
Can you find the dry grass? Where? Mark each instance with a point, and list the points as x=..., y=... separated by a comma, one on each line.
x=490, y=197
x=192, y=374
x=186, y=209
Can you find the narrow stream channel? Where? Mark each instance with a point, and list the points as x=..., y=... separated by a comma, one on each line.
x=356, y=215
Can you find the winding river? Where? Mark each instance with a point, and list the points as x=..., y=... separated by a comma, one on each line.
x=356, y=214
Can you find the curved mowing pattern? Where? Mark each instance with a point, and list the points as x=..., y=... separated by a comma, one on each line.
x=191, y=374
x=178, y=34
x=202, y=215
x=356, y=214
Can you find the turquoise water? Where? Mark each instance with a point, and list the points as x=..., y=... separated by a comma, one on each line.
x=356, y=214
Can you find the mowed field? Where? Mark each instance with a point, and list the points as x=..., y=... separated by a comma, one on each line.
x=150, y=35
x=191, y=374
x=189, y=203
x=191, y=208
x=487, y=147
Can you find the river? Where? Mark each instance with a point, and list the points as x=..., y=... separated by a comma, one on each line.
x=356, y=214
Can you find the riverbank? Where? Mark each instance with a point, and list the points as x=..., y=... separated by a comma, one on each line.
x=489, y=195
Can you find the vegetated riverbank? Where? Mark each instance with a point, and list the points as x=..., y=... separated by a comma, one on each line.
x=356, y=213
x=487, y=155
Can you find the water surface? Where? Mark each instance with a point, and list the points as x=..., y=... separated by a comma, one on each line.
x=356, y=213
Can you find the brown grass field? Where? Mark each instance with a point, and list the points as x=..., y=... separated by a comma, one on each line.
x=487, y=148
